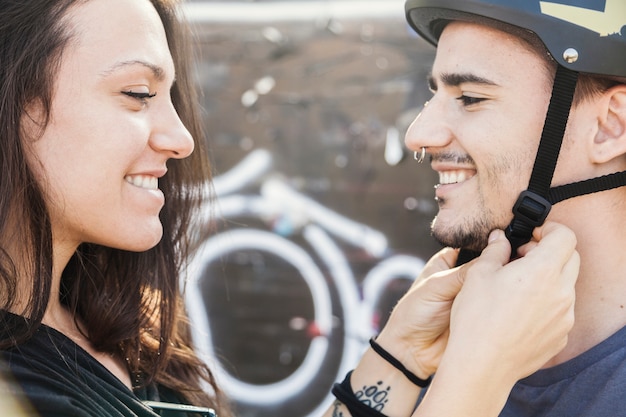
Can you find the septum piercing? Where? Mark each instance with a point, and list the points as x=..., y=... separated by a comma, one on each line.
x=420, y=158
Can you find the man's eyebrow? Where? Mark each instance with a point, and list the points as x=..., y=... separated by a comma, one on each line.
x=156, y=70
x=456, y=79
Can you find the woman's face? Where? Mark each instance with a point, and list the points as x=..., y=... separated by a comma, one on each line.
x=113, y=128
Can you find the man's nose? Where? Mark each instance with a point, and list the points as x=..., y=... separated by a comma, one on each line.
x=430, y=128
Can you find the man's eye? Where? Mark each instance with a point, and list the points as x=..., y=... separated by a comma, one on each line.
x=142, y=96
x=468, y=101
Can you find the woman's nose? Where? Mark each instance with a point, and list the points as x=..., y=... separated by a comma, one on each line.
x=429, y=129
x=171, y=136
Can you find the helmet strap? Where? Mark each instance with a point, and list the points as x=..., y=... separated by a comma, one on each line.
x=533, y=205
x=593, y=185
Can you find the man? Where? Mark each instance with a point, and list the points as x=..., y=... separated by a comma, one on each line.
x=510, y=81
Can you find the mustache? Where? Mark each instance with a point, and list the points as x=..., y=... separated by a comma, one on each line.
x=454, y=157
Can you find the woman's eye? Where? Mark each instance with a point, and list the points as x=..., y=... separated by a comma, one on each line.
x=141, y=96
x=468, y=101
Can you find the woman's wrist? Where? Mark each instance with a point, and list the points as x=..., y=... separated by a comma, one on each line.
x=415, y=360
x=464, y=387
x=379, y=384
x=393, y=361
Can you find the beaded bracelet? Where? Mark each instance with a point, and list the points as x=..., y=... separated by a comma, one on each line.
x=343, y=392
x=422, y=383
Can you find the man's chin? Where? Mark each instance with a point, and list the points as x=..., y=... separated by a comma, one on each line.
x=474, y=241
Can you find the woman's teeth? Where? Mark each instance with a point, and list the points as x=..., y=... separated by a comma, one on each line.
x=148, y=182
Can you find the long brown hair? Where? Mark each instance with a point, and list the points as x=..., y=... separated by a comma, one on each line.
x=129, y=303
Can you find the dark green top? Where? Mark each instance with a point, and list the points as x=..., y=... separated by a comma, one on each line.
x=60, y=379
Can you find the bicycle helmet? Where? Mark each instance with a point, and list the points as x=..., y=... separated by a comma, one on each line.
x=582, y=36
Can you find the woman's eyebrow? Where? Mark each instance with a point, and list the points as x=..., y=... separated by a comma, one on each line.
x=156, y=70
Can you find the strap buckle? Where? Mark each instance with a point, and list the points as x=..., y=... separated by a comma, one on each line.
x=531, y=208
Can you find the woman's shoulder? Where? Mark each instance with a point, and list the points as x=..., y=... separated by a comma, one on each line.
x=59, y=378
x=43, y=349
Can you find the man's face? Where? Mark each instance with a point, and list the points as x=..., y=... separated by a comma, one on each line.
x=481, y=128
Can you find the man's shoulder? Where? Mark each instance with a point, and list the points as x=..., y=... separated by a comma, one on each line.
x=591, y=384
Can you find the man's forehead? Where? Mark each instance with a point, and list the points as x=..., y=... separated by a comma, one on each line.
x=489, y=32
x=490, y=39
x=479, y=54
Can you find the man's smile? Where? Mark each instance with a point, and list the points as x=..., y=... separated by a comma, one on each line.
x=455, y=176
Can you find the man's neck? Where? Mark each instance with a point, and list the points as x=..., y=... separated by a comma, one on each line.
x=601, y=287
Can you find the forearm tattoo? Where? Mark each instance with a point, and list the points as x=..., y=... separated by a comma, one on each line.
x=374, y=396
x=336, y=412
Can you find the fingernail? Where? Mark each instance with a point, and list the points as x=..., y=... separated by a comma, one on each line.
x=495, y=235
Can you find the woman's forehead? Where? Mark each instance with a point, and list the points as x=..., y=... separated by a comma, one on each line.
x=107, y=32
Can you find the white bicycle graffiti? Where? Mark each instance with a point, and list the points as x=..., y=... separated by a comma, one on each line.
x=322, y=229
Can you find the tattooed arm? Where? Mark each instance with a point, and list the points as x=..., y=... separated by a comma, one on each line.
x=510, y=319
x=381, y=387
x=416, y=334
x=478, y=311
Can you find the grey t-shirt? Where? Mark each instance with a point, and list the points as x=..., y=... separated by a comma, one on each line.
x=592, y=384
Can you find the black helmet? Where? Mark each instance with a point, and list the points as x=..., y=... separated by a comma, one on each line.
x=583, y=36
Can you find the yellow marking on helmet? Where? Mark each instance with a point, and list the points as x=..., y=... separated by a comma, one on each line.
x=606, y=23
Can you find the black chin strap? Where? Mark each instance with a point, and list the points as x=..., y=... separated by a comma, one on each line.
x=563, y=192
x=532, y=206
x=603, y=183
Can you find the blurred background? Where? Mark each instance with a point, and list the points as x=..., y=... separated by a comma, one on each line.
x=322, y=216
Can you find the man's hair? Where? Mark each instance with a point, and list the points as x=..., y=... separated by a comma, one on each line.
x=591, y=85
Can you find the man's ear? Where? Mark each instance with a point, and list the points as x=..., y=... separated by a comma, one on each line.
x=610, y=138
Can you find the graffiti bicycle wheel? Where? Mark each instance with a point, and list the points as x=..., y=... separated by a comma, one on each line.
x=260, y=304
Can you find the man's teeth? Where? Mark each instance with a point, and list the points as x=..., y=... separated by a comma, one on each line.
x=143, y=181
x=452, y=177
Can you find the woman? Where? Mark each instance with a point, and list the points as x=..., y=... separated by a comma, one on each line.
x=97, y=188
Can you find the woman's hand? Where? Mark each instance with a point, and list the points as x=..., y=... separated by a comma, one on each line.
x=481, y=326
x=516, y=316
x=499, y=300
x=507, y=321
x=417, y=331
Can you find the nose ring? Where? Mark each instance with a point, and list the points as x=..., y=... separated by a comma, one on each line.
x=420, y=158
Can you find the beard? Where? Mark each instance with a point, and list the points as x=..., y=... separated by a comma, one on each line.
x=471, y=233
x=470, y=228
x=460, y=238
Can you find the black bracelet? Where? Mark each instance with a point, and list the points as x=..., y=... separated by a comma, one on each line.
x=422, y=383
x=343, y=392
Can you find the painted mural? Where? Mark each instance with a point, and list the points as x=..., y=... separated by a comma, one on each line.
x=320, y=219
